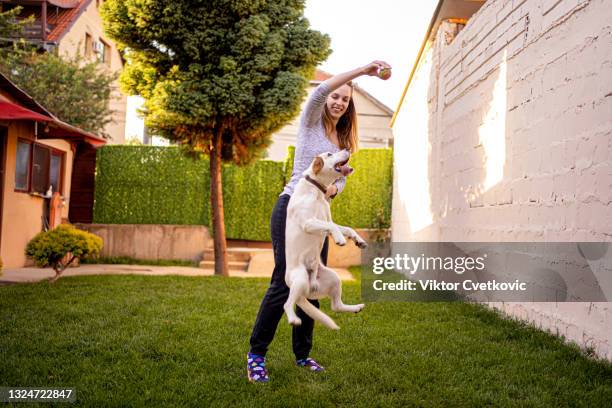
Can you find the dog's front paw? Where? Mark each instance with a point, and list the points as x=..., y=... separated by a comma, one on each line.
x=340, y=240
x=361, y=243
x=359, y=307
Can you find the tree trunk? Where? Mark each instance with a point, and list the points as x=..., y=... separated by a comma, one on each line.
x=216, y=202
x=59, y=268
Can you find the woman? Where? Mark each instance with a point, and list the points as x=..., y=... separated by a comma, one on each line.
x=328, y=124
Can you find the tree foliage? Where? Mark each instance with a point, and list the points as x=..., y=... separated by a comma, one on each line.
x=235, y=67
x=74, y=89
x=10, y=26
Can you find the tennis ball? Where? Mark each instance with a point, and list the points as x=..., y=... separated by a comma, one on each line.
x=384, y=73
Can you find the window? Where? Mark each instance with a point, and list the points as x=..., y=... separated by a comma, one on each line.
x=103, y=50
x=41, y=162
x=88, y=45
x=106, y=54
x=38, y=167
x=55, y=172
x=22, y=170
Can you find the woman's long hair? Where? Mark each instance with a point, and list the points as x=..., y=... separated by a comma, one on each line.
x=347, y=124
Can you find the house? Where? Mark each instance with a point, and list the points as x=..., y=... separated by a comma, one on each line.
x=37, y=152
x=373, y=118
x=504, y=134
x=75, y=26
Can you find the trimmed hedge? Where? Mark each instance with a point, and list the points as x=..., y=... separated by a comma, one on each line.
x=160, y=185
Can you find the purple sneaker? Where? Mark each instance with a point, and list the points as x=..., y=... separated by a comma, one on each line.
x=256, y=368
x=310, y=364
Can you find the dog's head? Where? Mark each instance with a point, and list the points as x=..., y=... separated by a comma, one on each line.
x=327, y=167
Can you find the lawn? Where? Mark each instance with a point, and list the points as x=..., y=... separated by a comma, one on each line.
x=148, y=341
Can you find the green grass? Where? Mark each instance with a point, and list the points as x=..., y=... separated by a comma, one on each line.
x=126, y=260
x=148, y=341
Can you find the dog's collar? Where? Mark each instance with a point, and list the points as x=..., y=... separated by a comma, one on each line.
x=317, y=184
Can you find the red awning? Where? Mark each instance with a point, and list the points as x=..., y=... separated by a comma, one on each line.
x=54, y=129
x=11, y=111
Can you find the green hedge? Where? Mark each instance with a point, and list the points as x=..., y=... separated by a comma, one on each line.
x=159, y=185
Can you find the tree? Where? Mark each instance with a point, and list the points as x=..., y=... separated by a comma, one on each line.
x=218, y=77
x=61, y=246
x=75, y=90
x=10, y=27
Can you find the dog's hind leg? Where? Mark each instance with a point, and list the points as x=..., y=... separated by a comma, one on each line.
x=332, y=281
x=297, y=290
x=312, y=268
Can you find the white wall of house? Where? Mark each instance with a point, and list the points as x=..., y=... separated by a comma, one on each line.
x=373, y=120
x=505, y=134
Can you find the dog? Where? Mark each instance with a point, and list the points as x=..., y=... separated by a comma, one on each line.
x=308, y=223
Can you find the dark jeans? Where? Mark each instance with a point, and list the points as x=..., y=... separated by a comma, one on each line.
x=271, y=309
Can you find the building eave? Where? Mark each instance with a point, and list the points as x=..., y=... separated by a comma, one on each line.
x=445, y=9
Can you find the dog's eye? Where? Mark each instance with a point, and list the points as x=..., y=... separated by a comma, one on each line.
x=329, y=154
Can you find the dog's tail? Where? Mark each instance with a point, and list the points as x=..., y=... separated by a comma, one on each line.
x=316, y=314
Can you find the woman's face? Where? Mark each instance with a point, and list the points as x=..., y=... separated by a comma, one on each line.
x=338, y=101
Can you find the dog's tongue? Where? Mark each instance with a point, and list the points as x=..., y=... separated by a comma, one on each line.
x=346, y=170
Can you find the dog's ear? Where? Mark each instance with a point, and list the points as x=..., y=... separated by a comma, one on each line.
x=317, y=165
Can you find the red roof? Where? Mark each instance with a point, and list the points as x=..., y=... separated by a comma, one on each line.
x=65, y=17
x=321, y=75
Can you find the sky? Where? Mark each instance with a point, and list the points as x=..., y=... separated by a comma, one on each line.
x=361, y=31
x=365, y=30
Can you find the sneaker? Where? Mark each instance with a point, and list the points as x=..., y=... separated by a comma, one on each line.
x=256, y=368
x=310, y=364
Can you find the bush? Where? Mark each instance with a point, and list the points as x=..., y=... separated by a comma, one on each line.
x=160, y=185
x=59, y=247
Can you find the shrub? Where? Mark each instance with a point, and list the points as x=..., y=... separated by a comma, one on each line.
x=160, y=185
x=59, y=247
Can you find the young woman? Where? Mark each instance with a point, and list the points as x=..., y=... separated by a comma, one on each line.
x=328, y=124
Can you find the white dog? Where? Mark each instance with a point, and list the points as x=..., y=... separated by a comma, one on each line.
x=308, y=223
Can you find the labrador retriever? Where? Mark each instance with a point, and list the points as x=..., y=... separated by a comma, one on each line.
x=308, y=223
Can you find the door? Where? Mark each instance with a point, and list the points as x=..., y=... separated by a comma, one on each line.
x=83, y=184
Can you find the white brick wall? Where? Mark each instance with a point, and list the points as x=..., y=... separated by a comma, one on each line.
x=552, y=123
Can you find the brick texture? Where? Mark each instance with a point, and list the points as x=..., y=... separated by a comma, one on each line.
x=515, y=119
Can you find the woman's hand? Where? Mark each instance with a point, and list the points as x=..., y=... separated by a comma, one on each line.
x=373, y=67
x=332, y=190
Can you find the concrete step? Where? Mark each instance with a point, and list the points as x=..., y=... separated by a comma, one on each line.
x=232, y=265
